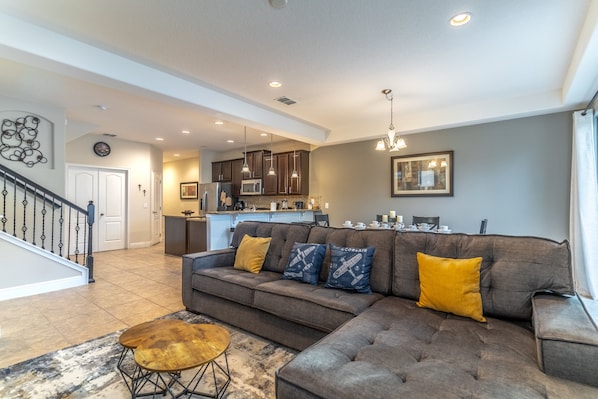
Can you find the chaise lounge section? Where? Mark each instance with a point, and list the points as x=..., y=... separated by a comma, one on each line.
x=382, y=344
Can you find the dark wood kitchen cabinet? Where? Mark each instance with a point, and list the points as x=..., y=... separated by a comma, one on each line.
x=255, y=161
x=287, y=162
x=184, y=235
x=222, y=171
x=270, y=182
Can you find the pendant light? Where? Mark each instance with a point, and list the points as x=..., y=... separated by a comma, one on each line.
x=245, y=168
x=294, y=175
x=271, y=171
x=393, y=141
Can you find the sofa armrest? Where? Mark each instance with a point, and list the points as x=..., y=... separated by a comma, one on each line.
x=566, y=338
x=203, y=260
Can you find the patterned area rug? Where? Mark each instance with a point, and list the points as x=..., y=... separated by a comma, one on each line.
x=89, y=370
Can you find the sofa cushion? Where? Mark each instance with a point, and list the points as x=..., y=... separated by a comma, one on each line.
x=350, y=268
x=318, y=307
x=284, y=235
x=251, y=253
x=513, y=268
x=396, y=350
x=450, y=285
x=382, y=240
x=232, y=284
x=305, y=263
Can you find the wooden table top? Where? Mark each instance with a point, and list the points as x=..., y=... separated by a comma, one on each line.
x=180, y=346
x=136, y=334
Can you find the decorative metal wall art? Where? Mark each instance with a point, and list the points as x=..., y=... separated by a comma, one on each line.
x=19, y=141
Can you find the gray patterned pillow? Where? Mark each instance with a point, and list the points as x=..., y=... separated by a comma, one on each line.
x=350, y=268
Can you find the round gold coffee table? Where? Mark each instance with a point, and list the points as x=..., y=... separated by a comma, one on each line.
x=134, y=376
x=173, y=348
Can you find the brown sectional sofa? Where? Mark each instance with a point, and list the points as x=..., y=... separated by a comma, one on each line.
x=382, y=345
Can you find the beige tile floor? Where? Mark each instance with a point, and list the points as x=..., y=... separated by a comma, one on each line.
x=132, y=286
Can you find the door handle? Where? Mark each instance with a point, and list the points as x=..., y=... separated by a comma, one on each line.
x=101, y=214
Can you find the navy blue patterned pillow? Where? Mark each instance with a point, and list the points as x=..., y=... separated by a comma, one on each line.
x=305, y=262
x=350, y=268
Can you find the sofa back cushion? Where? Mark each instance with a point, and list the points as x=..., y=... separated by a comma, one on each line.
x=513, y=268
x=382, y=240
x=284, y=235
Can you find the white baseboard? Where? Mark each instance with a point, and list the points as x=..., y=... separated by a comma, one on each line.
x=143, y=244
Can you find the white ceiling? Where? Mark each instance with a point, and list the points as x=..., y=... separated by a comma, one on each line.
x=162, y=66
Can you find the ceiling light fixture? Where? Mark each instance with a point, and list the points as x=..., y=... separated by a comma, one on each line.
x=230, y=141
x=218, y=123
x=460, y=19
x=159, y=139
x=271, y=171
x=185, y=131
x=294, y=175
x=393, y=141
x=275, y=84
x=245, y=168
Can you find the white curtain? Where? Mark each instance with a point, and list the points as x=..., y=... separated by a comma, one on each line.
x=583, y=218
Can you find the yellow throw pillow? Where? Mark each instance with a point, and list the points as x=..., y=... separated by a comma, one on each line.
x=251, y=253
x=450, y=285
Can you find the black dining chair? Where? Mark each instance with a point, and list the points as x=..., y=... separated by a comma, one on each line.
x=483, y=226
x=433, y=221
x=321, y=220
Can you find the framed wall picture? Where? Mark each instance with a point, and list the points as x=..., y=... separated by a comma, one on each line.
x=422, y=175
x=189, y=190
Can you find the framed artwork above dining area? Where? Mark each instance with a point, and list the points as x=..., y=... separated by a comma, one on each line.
x=422, y=175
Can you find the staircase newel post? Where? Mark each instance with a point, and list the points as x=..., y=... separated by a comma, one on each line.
x=91, y=211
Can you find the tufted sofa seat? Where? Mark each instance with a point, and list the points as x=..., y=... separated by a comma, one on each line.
x=539, y=341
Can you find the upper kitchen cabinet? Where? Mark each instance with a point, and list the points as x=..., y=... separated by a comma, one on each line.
x=222, y=171
x=270, y=182
x=287, y=162
x=255, y=161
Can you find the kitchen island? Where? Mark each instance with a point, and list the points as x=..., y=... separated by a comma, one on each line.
x=220, y=225
x=184, y=234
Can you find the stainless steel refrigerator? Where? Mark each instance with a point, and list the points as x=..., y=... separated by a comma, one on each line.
x=215, y=197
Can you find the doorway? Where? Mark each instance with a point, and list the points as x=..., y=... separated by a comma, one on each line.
x=156, y=205
x=107, y=188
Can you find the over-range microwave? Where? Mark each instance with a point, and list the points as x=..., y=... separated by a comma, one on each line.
x=251, y=187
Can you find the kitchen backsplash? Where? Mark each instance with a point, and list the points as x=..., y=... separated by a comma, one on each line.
x=263, y=202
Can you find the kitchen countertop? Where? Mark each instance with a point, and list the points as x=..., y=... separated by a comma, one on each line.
x=249, y=211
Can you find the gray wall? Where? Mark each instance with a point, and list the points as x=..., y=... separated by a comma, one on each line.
x=515, y=173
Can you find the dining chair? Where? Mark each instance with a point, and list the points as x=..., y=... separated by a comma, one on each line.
x=483, y=226
x=321, y=220
x=433, y=221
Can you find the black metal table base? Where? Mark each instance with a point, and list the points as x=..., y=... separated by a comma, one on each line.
x=190, y=389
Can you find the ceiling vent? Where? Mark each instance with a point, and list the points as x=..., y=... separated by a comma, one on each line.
x=285, y=100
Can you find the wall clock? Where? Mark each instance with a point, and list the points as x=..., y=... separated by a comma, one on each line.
x=101, y=149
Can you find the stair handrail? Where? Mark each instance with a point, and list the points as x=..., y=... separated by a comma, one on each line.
x=8, y=175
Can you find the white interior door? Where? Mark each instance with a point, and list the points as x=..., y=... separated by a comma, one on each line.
x=111, y=210
x=156, y=204
x=107, y=190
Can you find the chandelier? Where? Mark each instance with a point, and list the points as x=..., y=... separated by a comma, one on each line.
x=392, y=141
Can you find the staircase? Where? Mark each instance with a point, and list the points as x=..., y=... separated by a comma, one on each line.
x=45, y=240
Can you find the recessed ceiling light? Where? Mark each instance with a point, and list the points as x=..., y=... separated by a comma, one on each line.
x=275, y=84
x=218, y=123
x=264, y=134
x=185, y=131
x=460, y=19
x=230, y=141
x=176, y=155
x=102, y=107
x=159, y=139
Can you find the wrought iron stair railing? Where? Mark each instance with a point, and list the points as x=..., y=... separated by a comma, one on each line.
x=46, y=220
